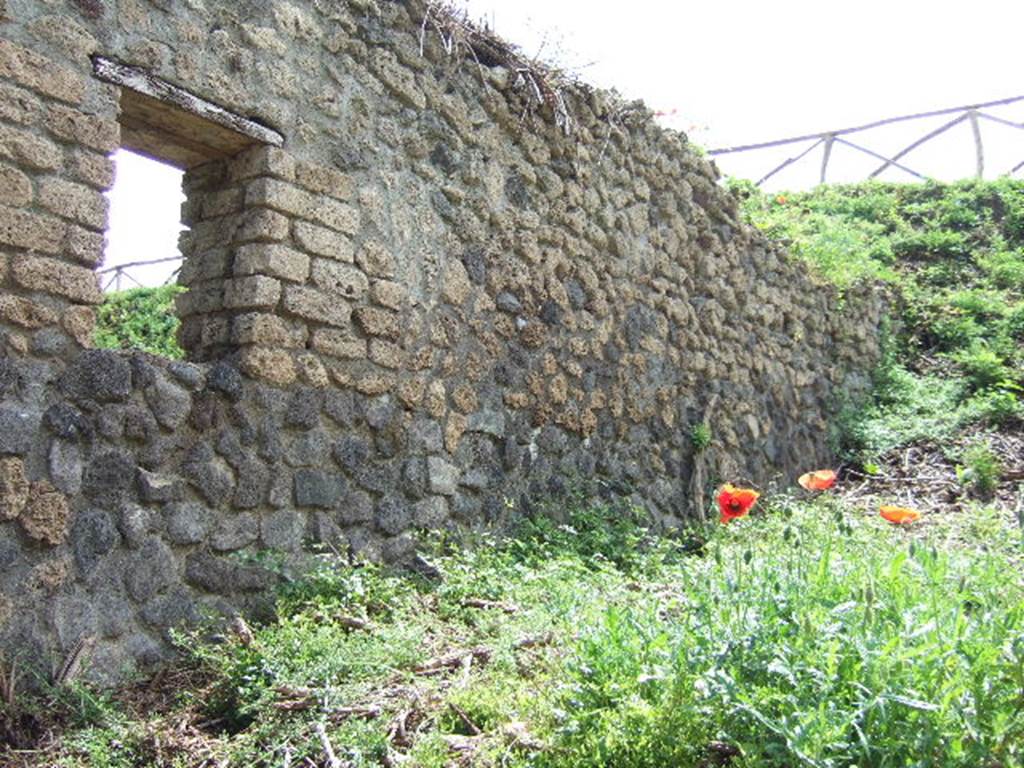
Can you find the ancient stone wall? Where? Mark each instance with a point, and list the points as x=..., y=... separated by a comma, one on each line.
x=441, y=301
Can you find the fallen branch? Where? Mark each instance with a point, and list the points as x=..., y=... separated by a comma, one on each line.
x=325, y=742
x=454, y=660
x=477, y=602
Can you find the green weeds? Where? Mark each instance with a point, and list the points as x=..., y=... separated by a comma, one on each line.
x=806, y=634
x=953, y=257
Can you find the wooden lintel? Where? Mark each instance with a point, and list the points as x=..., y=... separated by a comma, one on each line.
x=142, y=82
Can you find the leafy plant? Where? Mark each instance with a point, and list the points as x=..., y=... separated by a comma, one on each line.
x=700, y=437
x=980, y=470
x=140, y=318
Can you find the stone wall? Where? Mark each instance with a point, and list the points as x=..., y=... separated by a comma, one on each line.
x=433, y=307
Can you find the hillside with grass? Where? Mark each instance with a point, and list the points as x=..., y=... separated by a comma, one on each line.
x=952, y=258
x=813, y=631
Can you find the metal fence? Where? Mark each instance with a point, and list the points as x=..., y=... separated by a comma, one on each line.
x=120, y=276
x=972, y=114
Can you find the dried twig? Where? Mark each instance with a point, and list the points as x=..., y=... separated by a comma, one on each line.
x=535, y=641
x=454, y=660
x=325, y=742
x=472, y=727
x=477, y=602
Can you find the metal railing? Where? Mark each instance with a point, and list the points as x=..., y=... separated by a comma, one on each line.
x=827, y=140
x=119, y=273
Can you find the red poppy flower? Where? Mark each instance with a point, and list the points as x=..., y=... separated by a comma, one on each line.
x=899, y=515
x=819, y=480
x=735, y=502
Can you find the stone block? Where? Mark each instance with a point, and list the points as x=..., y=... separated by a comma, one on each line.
x=356, y=508
x=389, y=294
x=224, y=378
x=77, y=202
x=274, y=366
x=444, y=476
x=46, y=515
x=338, y=343
x=386, y=354
x=224, y=577
x=187, y=523
x=322, y=241
x=202, y=298
x=255, y=291
x=65, y=465
x=221, y=203
x=39, y=73
x=235, y=532
x=94, y=169
x=18, y=105
x=25, y=312
x=15, y=187
x=92, y=131
x=455, y=285
x=251, y=489
x=312, y=370
x=157, y=488
x=267, y=330
x=98, y=375
x=375, y=321
x=375, y=259
x=262, y=161
x=13, y=488
x=283, y=530
x=431, y=512
x=295, y=201
x=32, y=232
x=393, y=515
x=323, y=180
x=39, y=273
x=262, y=225
x=93, y=536
x=316, y=305
x=169, y=403
x=272, y=259
x=342, y=279
x=18, y=429
x=152, y=569
x=28, y=150
x=315, y=488
x=80, y=323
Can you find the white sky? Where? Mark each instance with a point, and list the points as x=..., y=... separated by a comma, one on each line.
x=734, y=72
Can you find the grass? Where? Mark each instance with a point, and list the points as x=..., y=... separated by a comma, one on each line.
x=952, y=257
x=808, y=634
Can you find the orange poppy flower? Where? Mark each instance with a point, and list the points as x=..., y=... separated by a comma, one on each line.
x=781, y=199
x=899, y=515
x=735, y=502
x=819, y=480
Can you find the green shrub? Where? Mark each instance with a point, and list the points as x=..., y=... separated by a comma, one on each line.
x=981, y=469
x=700, y=437
x=983, y=366
x=996, y=408
x=1005, y=269
x=140, y=318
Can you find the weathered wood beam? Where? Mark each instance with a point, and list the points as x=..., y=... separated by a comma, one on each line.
x=788, y=162
x=141, y=81
x=879, y=156
x=826, y=156
x=979, y=151
x=866, y=126
x=914, y=145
